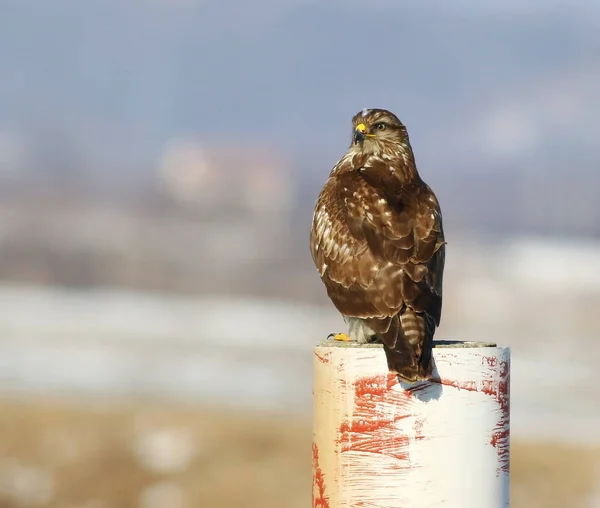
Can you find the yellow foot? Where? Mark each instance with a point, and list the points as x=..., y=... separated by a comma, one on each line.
x=340, y=336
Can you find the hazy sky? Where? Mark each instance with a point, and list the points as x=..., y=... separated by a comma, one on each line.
x=110, y=82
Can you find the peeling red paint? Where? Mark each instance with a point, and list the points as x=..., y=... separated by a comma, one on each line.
x=371, y=427
x=489, y=387
x=322, y=359
x=499, y=389
x=461, y=385
x=319, y=499
x=492, y=361
x=418, y=428
x=501, y=435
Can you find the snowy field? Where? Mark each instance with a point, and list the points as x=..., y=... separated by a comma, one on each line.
x=239, y=352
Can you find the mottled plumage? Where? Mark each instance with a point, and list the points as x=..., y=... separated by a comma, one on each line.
x=378, y=244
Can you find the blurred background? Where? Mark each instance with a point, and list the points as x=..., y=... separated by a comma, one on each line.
x=159, y=163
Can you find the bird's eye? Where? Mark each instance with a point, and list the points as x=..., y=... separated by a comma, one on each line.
x=380, y=126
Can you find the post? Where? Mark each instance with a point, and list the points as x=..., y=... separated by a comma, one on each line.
x=379, y=443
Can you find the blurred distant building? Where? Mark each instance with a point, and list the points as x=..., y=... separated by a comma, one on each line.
x=227, y=181
x=242, y=196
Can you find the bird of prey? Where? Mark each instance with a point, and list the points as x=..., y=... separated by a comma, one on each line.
x=378, y=244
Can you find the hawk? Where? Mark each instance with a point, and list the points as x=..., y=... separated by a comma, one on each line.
x=378, y=244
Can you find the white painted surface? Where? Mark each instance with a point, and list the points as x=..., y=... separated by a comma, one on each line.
x=442, y=444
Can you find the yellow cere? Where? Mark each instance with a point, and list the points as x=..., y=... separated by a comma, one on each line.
x=361, y=127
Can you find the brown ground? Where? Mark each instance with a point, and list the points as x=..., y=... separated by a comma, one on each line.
x=165, y=456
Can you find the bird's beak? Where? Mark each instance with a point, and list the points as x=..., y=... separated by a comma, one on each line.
x=359, y=133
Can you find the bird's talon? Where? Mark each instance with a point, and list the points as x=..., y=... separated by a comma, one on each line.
x=339, y=336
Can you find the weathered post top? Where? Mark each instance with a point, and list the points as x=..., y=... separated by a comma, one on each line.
x=382, y=443
x=436, y=344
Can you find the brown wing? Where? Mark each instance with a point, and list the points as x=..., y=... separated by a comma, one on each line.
x=378, y=243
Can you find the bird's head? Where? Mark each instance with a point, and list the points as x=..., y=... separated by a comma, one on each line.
x=377, y=130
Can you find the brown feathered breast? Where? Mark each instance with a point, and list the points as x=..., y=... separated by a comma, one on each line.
x=378, y=243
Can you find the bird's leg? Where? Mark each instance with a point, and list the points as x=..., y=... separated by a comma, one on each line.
x=375, y=339
x=340, y=336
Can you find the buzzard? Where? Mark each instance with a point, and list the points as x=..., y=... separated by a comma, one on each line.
x=378, y=244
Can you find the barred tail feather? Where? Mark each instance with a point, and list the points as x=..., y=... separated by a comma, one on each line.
x=408, y=344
